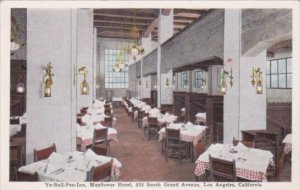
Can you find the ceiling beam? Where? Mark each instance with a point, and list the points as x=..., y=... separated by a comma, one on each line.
x=121, y=19
x=119, y=22
x=124, y=16
x=196, y=11
x=151, y=27
x=137, y=12
x=116, y=25
x=166, y=12
x=184, y=18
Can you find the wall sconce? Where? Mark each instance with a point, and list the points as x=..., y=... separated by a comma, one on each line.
x=155, y=86
x=167, y=83
x=20, y=86
x=84, y=86
x=47, y=79
x=202, y=83
x=226, y=74
x=257, y=79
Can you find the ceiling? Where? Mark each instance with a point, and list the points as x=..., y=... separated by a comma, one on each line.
x=116, y=23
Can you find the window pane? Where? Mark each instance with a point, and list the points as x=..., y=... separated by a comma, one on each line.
x=274, y=67
x=274, y=81
x=281, y=66
x=268, y=81
x=289, y=80
x=289, y=65
x=282, y=81
x=268, y=67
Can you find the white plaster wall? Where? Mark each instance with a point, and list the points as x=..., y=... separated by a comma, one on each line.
x=252, y=105
x=232, y=51
x=166, y=92
x=146, y=90
x=166, y=27
x=50, y=120
x=85, y=56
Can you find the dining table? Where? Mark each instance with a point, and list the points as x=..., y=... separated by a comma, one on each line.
x=188, y=132
x=287, y=141
x=86, y=133
x=251, y=163
x=70, y=167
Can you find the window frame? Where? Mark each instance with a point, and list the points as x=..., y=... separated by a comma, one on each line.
x=182, y=76
x=269, y=73
x=198, y=75
x=112, y=79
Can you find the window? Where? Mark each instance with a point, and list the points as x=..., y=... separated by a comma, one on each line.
x=279, y=73
x=198, y=77
x=115, y=79
x=219, y=74
x=184, y=79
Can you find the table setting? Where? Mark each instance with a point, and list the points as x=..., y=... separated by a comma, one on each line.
x=251, y=163
x=287, y=141
x=72, y=166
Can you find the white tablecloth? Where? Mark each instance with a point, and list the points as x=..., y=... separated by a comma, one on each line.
x=188, y=133
x=14, y=129
x=57, y=168
x=86, y=133
x=251, y=163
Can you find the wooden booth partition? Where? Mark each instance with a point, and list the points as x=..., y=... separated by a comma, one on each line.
x=195, y=103
x=178, y=102
x=154, y=98
x=214, y=117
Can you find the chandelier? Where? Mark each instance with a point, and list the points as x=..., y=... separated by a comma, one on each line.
x=15, y=40
x=120, y=63
x=134, y=48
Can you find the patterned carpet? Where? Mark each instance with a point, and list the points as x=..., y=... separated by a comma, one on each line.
x=142, y=159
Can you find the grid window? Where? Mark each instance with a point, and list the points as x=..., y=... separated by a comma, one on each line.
x=198, y=77
x=183, y=79
x=279, y=73
x=115, y=79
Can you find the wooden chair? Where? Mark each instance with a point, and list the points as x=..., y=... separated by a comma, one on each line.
x=100, y=137
x=100, y=150
x=262, y=141
x=141, y=115
x=101, y=173
x=153, y=127
x=222, y=170
x=21, y=176
x=83, y=111
x=43, y=153
x=108, y=121
x=174, y=145
x=14, y=121
x=248, y=144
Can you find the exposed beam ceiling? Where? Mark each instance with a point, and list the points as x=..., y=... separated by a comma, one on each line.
x=110, y=22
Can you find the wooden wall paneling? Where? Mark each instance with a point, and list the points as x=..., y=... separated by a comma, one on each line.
x=178, y=102
x=196, y=104
x=154, y=98
x=214, y=117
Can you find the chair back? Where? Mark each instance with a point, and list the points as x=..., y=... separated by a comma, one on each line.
x=100, y=136
x=43, y=153
x=108, y=121
x=83, y=111
x=101, y=172
x=23, y=130
x=222, y=170
x=21, y=176
x=172, y=134
x=14, y=121
x=152, y=121
x=100, y=150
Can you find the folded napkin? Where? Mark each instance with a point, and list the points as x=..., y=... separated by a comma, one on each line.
x=56, y=159
x=189, y=124
x=241, y=146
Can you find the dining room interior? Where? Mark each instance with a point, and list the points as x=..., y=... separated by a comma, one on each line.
x=149, y=94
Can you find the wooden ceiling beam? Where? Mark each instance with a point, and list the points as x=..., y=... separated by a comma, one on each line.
x=184, y=18
x=118, y=25
x=124, y=16
x=151, y=27
x=119, y=22
x=195, y=11
x=121, y=19
x=137, y=12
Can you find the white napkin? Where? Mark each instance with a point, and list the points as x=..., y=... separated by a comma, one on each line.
x=189, y=124
x=56, y=159
x=50, y=168
x=241, y=146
